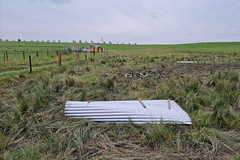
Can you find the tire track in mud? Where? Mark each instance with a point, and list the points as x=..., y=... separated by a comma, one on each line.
x=182, y=69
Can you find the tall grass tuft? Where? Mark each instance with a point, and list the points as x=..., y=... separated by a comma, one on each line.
x=83, y=95
x=82, y=137
x=40, y=97
x=158, y=134
x=205, y=140
x=1, y=105
x=70, y=81
x=223, y=115
x=3, y=141
x=23, y=106
x=109, y=84
x=28, y=153
x=192, y=86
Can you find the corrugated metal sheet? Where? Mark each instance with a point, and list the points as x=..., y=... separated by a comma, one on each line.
x=187, y=62
x=123, y=111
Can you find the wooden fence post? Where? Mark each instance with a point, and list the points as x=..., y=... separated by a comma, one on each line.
x=30, y=64
x=47, y=54
x=59, y=58
x=4, y=56
x=7, y=55
x=85, y=56
x=23, y=55
x=37, y=53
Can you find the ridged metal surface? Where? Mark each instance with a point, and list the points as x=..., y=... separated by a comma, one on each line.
x=123, y=111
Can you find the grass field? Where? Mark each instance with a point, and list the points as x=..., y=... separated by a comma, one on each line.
x=33, y=125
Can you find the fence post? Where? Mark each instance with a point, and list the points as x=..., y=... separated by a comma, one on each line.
x=23, y=55
x=47, y=54
x=59, y=58
x=30, y=64
x=4, y=56
x=7, y=55
x=37, y=53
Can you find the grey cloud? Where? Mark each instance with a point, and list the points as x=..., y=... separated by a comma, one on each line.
x=60, y=1
x=139, y=21
x=153, y=15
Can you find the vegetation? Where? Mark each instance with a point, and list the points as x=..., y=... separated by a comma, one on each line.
x=33, y=125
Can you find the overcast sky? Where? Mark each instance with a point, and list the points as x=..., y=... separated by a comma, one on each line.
x=134, y=21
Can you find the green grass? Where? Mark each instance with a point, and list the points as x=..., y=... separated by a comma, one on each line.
x=33, y=125
x=46, y=54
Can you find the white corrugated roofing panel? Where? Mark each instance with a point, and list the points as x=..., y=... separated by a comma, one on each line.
x=186, y=61
x=123, y=111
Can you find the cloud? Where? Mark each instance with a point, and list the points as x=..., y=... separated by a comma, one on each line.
x=153, y=15
x=60, y=1
x=139, y=21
